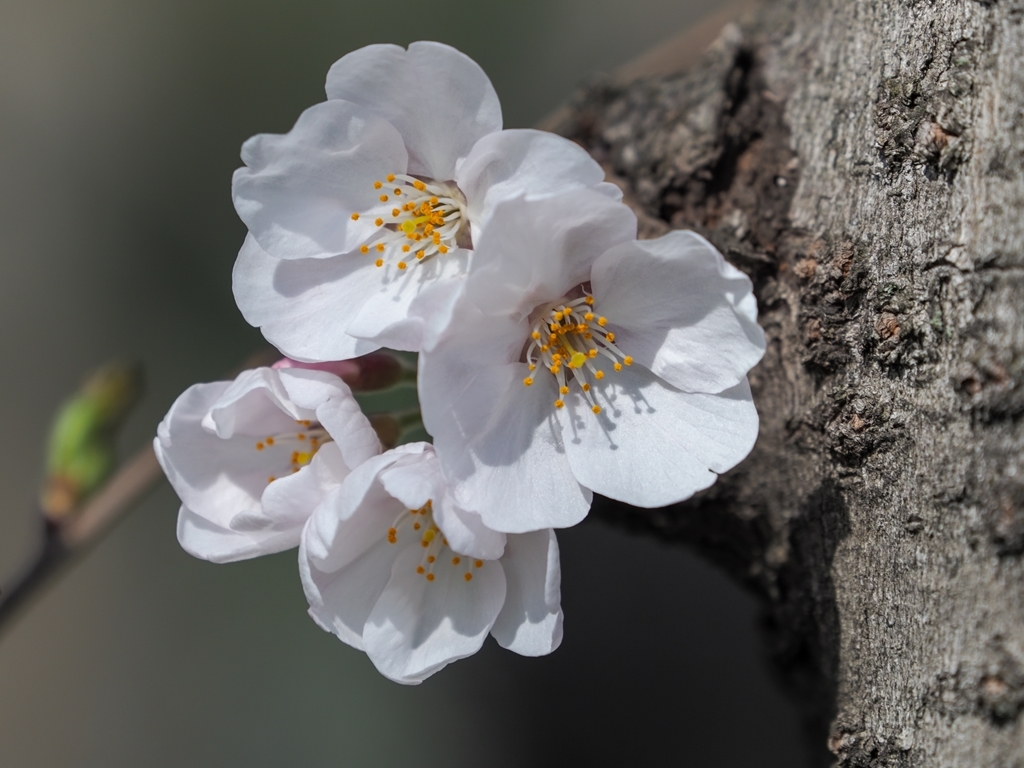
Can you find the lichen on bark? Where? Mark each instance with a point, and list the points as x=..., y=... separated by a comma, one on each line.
x=862, y=162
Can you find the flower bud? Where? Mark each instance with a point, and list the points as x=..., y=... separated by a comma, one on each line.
x=377, y=370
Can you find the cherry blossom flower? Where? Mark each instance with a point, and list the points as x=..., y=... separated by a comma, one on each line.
x=251, y=458
x=570, y=362
x=380, y=192
x=393, y=567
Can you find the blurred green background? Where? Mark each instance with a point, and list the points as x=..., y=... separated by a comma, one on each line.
x=120, y=124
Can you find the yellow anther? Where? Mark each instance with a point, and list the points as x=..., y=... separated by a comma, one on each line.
x=559, y=404
x=377, y=185
x=586, y=387
x=364, y=249
x=390, y=177
x=442, y=248
x=355, y=217
x=602, y=321
x=592, y=353
x=420, y=569
x=420, y=254
x=383, y=198
x=416, y=526
x=271, y=479
x=596, y=409
x=379, y=222
x=618, y=366
x=553, y=369
x=379, y=262
x=406, y=248
x=419, y=185
x=456, y=560
x=269, y=441
x=396, y=211
x=610, y=336
x=402, y=265
x=259, y=446
x=392, y=535
x=380, y=247
x=589, y=300
x=434, y=201
x=599, y=375
x=532, y=367
x=468, y=576
x=397, y=191
x=627, y=360
x=563, y=390
x=430, y=577
x=544, y=348
x=431, y=559
x=478, y=563
x=528, y=381
x=558, y=316
x=535, y=335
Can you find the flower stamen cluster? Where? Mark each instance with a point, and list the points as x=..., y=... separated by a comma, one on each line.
x=425, y=221
x=304, y=443
x=432, y=540
x=569, y=336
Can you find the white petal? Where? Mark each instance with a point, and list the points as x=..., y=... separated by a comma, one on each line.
x=511, y=163
x=337, y=411
x=533, y=251
x=203, y=538
x=384, y=317
x=298, y=191
x=497, y=440
x=680, y=309
x=530, y=622
x=654, y=445
x=289, y=501
x=255, y=404
x=419, y=626
x=215, y=478
x=466, y=532
x=439, y=99
x=303, y=306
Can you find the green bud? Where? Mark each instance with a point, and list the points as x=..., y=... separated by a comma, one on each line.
x=81, y=451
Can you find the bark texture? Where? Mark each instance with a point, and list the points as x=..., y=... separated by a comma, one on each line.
x=863, y=162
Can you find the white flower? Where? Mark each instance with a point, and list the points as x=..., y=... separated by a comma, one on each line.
x=394, y=568
x=251, y=458
x=377, y=193
x=564, y=365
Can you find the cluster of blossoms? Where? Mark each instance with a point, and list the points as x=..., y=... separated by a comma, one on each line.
x=558, y=356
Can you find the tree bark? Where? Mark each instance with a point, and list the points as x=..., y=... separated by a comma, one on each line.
x=862, y=162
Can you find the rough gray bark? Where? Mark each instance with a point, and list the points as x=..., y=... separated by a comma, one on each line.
x=862, y=161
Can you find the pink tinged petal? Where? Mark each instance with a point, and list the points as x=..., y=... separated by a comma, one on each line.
x=439, y=99
x=303, y=306
x=346, y=370
x=497, y=440
x=653, y=444
x=299, y=190
x=677, y=307
x=418, y=626
x=205, y=539
x=534, y=251
x=511, y=163
x=387, y=316
x=530, y=622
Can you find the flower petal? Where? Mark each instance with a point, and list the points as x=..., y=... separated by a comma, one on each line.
x=466, y=532
x=439, y=99
x=511, y=163
x=530, y=622
x=303, y=306
x=298, y=191
x=205, y=539
x=289, y=501
x=680, y=309
x=497, y=440
x=417, y=626
x=534, y=251
x=652, y=444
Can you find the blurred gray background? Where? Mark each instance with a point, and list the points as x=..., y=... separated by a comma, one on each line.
x=120, y=124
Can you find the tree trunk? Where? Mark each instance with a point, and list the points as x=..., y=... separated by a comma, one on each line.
x=862, y=162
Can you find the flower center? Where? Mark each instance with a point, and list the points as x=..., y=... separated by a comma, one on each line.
x=425, y=220
x=419, y=524
x=302, y=445
x=566, y=339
